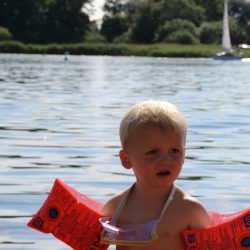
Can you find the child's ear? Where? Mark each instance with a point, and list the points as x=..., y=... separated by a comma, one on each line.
x=126, y=163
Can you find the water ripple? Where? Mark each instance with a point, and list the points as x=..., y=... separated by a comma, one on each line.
x=61, y=120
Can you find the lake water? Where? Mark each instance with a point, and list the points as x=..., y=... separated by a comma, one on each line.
x=60, y=119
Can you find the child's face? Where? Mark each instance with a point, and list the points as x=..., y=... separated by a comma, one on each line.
x=156, y=156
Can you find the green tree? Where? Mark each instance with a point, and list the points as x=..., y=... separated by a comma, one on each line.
x=114, y=7
x=145, y=16
x=113, y=26
x=23, y=18
x=65, y=22
x=182, y=37
x=240, y=10
x=5, y=34
x=213, y=9
x=144, y=21
x=182, y=9
x=45, y=21
x=93, y=35
x=114, y=22
x=211, y=32
x=238, y=33
x=178, y=31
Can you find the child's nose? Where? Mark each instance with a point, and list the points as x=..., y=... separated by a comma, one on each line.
x=166, y=158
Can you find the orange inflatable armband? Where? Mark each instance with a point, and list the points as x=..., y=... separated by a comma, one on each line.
x=228, y=232
x=71, y=217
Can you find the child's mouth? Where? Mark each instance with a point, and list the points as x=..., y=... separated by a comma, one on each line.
x=163, y=173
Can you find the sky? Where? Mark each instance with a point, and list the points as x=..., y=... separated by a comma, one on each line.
x=97, y=7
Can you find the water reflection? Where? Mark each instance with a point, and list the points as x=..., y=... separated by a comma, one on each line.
x=60, y=120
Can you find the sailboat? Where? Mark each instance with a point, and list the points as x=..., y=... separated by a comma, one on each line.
x=226, y=40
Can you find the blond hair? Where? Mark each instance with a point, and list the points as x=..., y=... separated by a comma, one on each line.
x=161, y=113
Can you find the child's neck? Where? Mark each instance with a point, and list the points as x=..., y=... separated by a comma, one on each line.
x=149, y=193
x=147, y=203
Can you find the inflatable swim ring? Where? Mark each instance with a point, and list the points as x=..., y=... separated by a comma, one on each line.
x=73, y=218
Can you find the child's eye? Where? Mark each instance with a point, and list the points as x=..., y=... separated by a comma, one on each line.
x=174, y=150
x=152, y=152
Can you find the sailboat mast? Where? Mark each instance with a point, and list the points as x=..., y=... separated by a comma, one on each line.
x=226, y=41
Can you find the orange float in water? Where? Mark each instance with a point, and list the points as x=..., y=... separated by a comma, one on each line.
x=228, y=232
x=73, y=218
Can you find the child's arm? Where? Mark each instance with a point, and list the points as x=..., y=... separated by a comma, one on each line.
x=107, y=209
x=111, y=205
x=198, y=216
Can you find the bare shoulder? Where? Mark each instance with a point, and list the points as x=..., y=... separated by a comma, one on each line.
x=111, y=205
x=195, y=213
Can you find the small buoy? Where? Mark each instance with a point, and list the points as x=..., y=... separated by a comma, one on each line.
x=66, y=53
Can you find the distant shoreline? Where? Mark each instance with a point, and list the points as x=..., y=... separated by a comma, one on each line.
x=147, y=50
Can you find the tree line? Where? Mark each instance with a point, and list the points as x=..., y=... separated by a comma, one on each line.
x=44, y=21
x=124, y=21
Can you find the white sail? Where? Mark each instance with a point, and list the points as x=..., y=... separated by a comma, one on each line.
x=226, y=41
